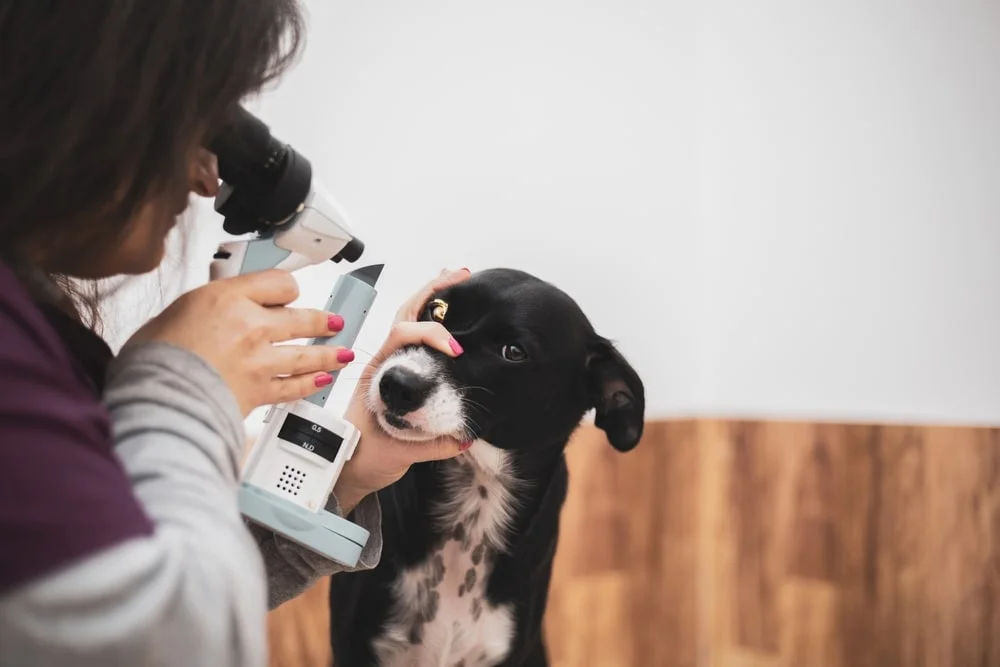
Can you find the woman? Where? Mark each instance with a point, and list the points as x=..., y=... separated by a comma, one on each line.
x=120, y=538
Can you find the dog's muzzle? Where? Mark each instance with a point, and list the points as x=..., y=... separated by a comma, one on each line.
x=412, y=398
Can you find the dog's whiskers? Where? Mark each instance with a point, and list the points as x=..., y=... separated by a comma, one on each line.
x=466, y=402
x=470, y=432
x=479, y=388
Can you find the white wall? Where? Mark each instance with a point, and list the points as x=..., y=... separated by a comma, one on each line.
x=850, y=186
x=777, y=208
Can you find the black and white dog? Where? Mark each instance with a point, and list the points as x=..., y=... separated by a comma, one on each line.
x=469, y=542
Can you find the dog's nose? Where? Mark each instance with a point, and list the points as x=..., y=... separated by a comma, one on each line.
x=403, y=390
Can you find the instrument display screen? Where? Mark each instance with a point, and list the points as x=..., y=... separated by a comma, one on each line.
x=311, y=437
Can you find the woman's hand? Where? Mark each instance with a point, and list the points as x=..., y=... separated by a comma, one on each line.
x=234, y=325
x=381, y=459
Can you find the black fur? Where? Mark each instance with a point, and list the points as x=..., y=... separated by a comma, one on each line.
x=530, y=408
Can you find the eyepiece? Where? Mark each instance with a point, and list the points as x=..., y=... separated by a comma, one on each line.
x=351, y=252
x=264, y=180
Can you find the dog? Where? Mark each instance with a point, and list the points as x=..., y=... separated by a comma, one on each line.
x=468, y=543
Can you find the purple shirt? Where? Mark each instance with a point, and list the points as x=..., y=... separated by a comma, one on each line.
x=63, y=493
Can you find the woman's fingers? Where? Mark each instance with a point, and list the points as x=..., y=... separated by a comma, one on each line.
x=411, y=309
x=304, y=359
x=435, y=450
x=296, y=387
x=306, y=370
x=430, y=334
x=276, y=288
x=272, y=287
x=293, y=323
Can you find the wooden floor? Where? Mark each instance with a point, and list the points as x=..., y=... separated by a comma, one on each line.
x=763, y=545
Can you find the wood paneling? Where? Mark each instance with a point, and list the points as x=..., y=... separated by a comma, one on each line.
x=752, y=544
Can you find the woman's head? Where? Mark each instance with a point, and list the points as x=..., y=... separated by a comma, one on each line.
x=104, y=108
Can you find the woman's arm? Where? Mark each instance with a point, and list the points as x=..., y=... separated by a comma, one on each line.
x=194, y=592
x=157, y=383
x=291, y=570
x=184, y=582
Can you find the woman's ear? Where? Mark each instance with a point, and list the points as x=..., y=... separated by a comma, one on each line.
x=617, y=395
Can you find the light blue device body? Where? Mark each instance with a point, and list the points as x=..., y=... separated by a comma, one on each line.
x=266, y=490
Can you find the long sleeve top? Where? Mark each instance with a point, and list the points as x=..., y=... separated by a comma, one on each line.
x=121, y=542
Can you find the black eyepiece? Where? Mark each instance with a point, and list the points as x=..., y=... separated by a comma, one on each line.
x=351, y=252
x=264, y=180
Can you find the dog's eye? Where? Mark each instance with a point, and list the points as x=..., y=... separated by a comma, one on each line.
x=513, y=353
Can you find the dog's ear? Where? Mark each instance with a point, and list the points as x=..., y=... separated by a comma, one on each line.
x=617, y=395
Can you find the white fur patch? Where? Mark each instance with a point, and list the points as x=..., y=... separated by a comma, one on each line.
x=440, y=617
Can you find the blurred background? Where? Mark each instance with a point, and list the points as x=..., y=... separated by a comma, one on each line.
x=786, y=214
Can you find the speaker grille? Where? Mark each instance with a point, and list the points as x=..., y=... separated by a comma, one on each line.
x=291, y=480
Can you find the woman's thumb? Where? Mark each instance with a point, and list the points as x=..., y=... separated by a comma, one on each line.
x=438, y=450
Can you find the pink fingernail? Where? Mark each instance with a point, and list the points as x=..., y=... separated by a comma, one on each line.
x=345, y=356
x=455, y=347
x=465, y=445
x=335, y=322
x=323, y=380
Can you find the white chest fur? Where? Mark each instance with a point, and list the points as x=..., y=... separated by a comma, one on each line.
x=441, y=617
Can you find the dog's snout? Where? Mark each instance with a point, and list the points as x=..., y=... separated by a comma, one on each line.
x=404, y=390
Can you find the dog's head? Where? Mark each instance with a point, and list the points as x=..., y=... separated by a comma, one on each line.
x=532, y=367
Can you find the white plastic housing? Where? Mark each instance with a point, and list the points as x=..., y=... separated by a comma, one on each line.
x=320, y=232
x=317, y=232
x=290, y=467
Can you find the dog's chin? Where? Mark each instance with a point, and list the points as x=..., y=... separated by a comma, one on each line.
x=401, y=429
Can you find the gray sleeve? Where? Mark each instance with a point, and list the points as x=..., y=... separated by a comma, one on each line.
x=291, y=569
x=197, y=591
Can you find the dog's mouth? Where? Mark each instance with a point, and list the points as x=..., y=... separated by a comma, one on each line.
x=399, y=427
x=395, y=421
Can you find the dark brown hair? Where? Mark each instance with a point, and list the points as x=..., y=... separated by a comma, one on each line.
x=102, y=101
